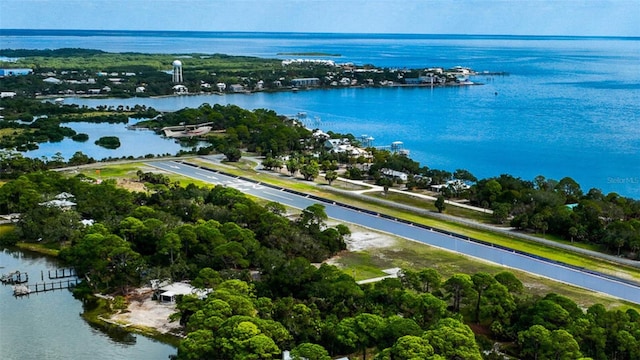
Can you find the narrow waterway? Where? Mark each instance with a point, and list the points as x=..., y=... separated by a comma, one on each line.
x=49, y=325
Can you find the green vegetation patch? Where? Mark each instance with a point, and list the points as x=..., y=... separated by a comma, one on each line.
x=108, y=142
x=50, y=249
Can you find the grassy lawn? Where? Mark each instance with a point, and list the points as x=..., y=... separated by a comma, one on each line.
x=5, y=229
x=109, y=171
x=425, y=204
x=46, y=249
x=344, y=185
x=13, y=132
x=414, y=256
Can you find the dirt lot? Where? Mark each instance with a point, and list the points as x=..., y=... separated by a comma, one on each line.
x=147, y=313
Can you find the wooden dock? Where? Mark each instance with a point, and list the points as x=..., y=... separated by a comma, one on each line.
x=22, y=290
x=61, y=273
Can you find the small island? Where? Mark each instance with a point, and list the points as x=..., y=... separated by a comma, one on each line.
x=108, y=142
x=80, y=137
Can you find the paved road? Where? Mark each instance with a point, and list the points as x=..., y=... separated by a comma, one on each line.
x=626, y=290
x=218, y=158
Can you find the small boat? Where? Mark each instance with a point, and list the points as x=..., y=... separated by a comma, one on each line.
x=14, y=277
x=21, y=290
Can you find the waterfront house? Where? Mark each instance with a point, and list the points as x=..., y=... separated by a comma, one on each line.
x=456, y=185
x=305, y=82
x=393, y=174
x=237, y=88
x=169, y=292
x=180, y=89
x=52, y=80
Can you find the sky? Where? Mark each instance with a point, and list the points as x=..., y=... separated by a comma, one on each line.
x=469, y=17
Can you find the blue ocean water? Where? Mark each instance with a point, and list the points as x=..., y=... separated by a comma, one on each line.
x=569, y=107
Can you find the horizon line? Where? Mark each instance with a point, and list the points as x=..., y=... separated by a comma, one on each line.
x=630, y=37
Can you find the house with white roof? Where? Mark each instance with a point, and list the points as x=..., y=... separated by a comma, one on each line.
x=169, y=291
x=52, y=80
x=180, y=89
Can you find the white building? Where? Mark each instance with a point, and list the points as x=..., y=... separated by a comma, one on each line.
x=393, y=174
x=180, y=89
x=169, y=292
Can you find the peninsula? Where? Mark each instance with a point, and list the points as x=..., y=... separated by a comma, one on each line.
x=82, y=72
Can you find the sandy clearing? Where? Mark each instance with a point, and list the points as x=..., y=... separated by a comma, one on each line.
x=145, y=312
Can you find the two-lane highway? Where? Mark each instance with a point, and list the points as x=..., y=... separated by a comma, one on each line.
x=626, y=290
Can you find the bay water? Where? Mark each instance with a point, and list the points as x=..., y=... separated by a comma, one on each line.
x=570, y=106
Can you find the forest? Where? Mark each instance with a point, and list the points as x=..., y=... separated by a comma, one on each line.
x=269, y=294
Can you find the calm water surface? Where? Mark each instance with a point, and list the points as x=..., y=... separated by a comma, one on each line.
x=132, y=142
x=49, y=326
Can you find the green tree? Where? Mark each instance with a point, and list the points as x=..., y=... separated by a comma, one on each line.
x=313, y=218
x=570, y=189
x=508, y=279
x=424, y=308
x=458, y=286
x=500, y=212
x=331, y=176
x=78, y=158
x=309, y=351
x=498, y=305
x=232, y=154
x=430, y=280
x=310, y=171
x=198, y=345
x=440, y=203
x=293, y=165
x=360, y=332
x=452, y=339
x=492, y=190
x=409, y=347
x=535, y=343
x=244, y=340
x=564, y=346
x=481, y=282
x=170, y=244
x=463, y=174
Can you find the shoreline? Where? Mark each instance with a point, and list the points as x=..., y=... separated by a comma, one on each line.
x=250, y=92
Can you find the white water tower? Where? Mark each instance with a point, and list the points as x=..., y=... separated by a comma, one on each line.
x=177, y=71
